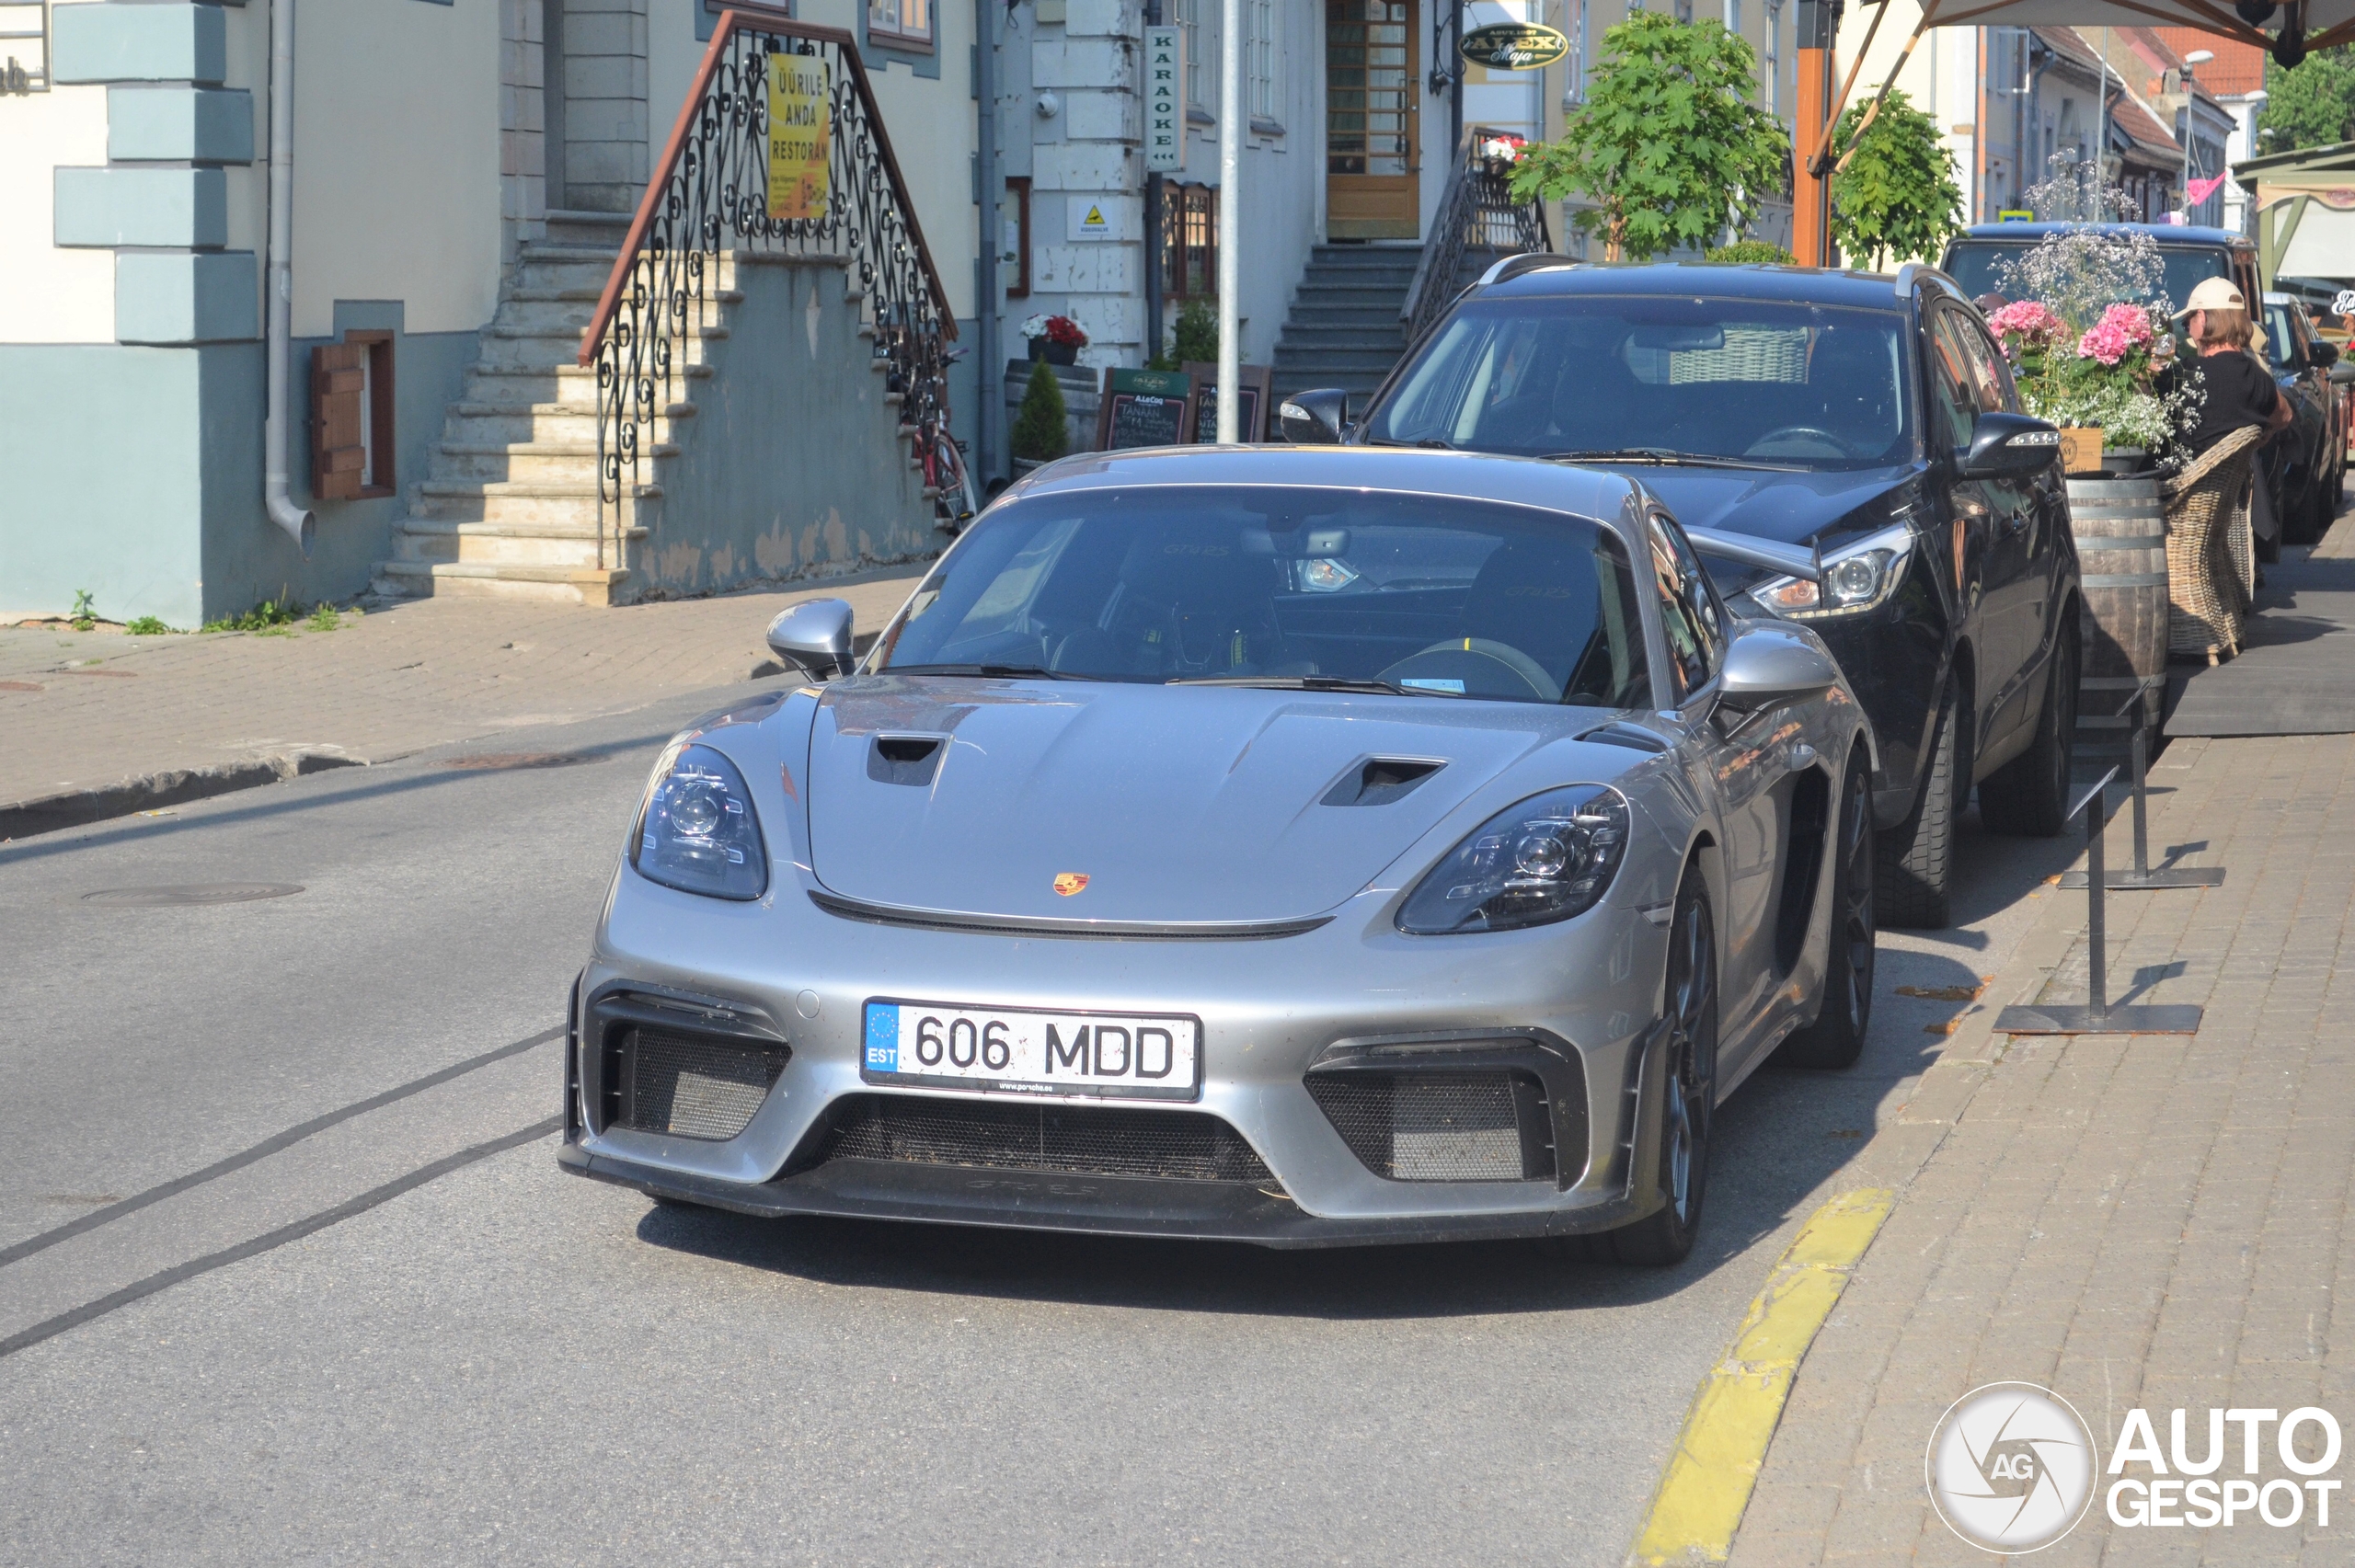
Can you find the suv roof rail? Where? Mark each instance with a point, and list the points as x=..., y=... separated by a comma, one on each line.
x=1524, y=261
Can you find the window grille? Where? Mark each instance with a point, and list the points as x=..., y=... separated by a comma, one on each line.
x=1259, y=57
x=1189, y=241
x=24, y=46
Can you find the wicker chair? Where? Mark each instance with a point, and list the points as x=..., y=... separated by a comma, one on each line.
x=2211, y=558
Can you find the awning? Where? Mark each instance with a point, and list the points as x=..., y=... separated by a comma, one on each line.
x=2328, y=22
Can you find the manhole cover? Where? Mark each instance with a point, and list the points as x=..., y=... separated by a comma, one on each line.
x=488, y=760
x=193, y=893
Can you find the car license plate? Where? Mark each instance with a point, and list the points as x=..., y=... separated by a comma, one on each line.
x=1020, y=1051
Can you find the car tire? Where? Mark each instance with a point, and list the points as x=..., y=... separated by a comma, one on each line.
x=1837, y=1037
x=1689, y=1008
x=1915, y=865
x=2028, y=796
x=2322, y=506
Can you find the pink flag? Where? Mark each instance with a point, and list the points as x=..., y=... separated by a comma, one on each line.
x=2198, y=190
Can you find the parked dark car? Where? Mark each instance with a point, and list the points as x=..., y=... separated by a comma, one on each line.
x=1870, y=417
x=2305, y=465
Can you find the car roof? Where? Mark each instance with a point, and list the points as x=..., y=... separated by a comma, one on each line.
x=2165, y=234
x=1802, y=285
x=1481, y=476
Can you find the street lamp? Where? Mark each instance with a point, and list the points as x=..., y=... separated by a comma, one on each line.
x=2192, y=62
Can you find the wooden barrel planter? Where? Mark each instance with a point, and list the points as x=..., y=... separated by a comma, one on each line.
x=2120, y=528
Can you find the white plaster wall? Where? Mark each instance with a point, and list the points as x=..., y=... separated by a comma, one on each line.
x=1940, y=78
x=396, y=159
x=54, y=296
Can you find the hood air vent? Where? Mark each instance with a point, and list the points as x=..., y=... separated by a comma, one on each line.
x=906, y=758
x=1378, y=781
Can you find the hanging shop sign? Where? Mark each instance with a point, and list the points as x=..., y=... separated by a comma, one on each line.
x=800, y=135
x=1514, y=46
x=1165, y=99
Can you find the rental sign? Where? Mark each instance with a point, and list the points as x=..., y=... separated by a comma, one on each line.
x=800, y=135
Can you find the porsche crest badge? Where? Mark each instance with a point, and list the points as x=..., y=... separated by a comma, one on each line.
x=1069, y=882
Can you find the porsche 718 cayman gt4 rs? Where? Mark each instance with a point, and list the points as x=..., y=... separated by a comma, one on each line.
x=1301, y=846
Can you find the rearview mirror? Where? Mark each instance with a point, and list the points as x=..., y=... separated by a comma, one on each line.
x=1315, y=418
x=1768, y=664
x=814, y=637
x=2009, y=446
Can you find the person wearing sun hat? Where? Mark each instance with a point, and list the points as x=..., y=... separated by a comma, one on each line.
x=2236, y=388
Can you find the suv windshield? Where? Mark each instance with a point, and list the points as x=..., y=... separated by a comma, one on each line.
x=1422, y=596
x=1980, y=266
x=1660, y=378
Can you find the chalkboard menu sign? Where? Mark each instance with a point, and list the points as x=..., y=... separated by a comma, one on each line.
x=1142, y=408
x=1255, y=396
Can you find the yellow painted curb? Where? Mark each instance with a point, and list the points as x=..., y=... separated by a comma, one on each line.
x=1708, y=1479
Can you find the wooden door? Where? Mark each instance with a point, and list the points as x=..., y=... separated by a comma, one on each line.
x=1372, y=153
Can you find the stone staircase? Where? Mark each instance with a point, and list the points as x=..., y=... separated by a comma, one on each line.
x=1343, y=330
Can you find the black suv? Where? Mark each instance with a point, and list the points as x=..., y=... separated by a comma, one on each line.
x=1870, y=417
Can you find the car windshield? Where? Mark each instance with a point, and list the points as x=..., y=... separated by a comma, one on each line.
x=1662, y=378
x=1419, y=596
x=2281, y=342
x=1981, y=266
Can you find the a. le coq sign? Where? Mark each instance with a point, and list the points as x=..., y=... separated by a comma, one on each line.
x=1514, y=46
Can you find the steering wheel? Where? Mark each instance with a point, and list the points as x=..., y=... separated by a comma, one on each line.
x=1816, y=432
x=1528, y=671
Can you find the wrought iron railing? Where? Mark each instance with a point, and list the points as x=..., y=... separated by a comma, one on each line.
x=1476, y=212
x=710, y=196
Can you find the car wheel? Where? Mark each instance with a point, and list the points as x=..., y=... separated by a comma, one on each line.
x=1688, y=1086
x=2029, y=795
x=1915, y=864
x=2323, y=506
x=1837, y=1035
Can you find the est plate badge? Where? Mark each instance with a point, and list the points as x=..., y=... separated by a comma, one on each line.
x=1018, y=1050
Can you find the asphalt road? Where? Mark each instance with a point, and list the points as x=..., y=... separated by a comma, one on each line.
x=288, y=1273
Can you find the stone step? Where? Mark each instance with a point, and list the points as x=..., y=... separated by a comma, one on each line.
x=551, y=545
x=532, y=462
x=574, y=386
x=526, y=421
x=1312, y=311
x=552, y=501
x=485, y=579
x=536, y=346
x=1313, y=336
x=573, y=226
x=1337, y=358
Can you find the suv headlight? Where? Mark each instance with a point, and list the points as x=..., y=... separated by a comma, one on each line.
x=697, y=831
x=1856, y=576
x=1546, y=859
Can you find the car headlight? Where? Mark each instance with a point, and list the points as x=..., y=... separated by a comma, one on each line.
x=1856, y=576
x=1546, y=859
x=697, y=832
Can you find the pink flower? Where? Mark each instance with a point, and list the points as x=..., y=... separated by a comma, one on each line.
x=2026, y=319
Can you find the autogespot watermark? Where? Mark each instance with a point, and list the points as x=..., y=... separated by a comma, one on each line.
x=2012, y=1468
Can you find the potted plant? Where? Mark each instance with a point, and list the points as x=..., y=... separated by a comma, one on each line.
x=1498, y=152
x=1041, y=430
x=1057, y=340
x=2100, y=380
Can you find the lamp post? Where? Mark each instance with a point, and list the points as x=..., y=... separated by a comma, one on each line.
x=2192, y=62
x=1232, y=111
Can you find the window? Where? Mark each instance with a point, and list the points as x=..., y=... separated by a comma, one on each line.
x=1190, y=16
x=1190, y=240
x=24, y=46
x=1574, y=68
x=351, y=418
x=1014, y=252
x=1770, y=66
x=905, y=24
x=1954, y=391
x=1733, y=17
x=1259, y=58
x=1688, y=611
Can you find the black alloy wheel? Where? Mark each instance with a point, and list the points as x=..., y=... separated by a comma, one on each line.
x=1837, y=1037
x=1688, y=1088
x=2028, y=796
x=1915, y=864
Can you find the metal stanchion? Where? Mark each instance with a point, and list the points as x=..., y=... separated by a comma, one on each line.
x=2145, y=877
x=2098, y=1016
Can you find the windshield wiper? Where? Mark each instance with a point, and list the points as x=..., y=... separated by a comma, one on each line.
x=1667, y=457
x=1311, y=683
x=1025, y=671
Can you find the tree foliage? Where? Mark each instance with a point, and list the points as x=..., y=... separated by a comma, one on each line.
x=2313, y=106
x=1668, y=146
x=1897, y=199
x=1042, y=432
x=1752, y=252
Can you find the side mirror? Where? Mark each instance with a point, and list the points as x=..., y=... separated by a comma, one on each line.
x=814, y=637
x=1767, y=664
x=2325, y=354
x=2343, y=373
x=1315, y=418
x=2009, y=446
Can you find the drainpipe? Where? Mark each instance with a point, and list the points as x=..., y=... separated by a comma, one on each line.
x=990, y=384
x=296, y=521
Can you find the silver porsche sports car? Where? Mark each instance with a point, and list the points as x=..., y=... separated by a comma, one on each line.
x=1303, y=846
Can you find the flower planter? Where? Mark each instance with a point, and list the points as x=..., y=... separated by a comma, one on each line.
x=1053, y=352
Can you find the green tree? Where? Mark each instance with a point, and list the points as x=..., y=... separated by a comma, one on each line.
x=1042, y=432
x=1752, y=252
x=1668, y=146
x=2313, y=106
x=1897, y=199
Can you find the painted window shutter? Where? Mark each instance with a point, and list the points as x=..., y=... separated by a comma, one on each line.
x=338, y=402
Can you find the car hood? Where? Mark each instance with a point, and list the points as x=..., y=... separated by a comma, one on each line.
x=1178, y=804
x=1770, y=504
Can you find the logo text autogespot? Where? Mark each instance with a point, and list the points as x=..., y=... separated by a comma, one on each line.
x=2182, y=1489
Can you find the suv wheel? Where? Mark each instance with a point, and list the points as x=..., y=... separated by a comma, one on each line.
x=1914, y=870
x=2029, y=795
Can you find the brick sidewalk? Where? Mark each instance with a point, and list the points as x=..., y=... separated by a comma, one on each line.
x=2155, y=1221
x=87, y=710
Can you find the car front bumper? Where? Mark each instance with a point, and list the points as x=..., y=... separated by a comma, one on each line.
x=1574, y=1004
